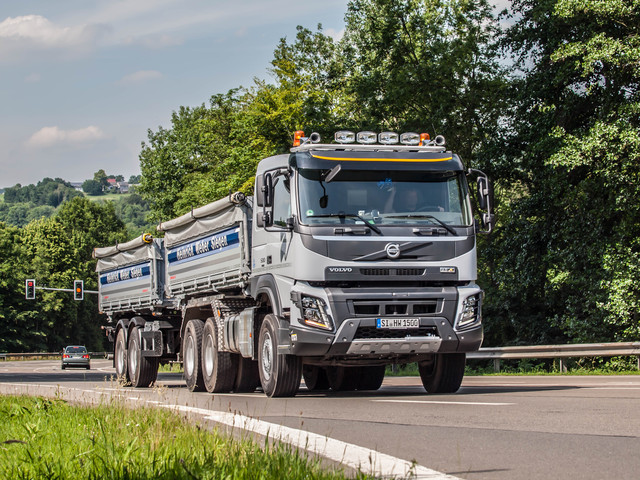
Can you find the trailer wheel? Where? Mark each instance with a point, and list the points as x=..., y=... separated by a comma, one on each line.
x=191, y=358
x=218, y=368
x=343, y=379
x=120, y=357
x=143, y=371
x=315, y=378
x=444, y=373
x=279, y=374
x=371, y=378
x=248, y=378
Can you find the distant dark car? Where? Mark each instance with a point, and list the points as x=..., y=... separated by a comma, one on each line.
x=75, y=356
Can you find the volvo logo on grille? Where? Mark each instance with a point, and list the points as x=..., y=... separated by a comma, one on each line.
x=340, y=269
x=393, y=250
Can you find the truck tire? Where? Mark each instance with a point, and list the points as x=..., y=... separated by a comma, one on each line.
x=315, y=378
x=248, y=378
x=343, y=379
x=143, y=371
x=191, y=357
x=279, y=374
x=219, y=369
x=120, y=357
x=443, y=374
x=371, y=378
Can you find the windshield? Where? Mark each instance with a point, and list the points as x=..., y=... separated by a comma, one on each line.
x=383, y=197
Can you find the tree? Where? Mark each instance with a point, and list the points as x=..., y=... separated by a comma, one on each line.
x=92, y=187
x=101, y=177
x=425, y=66
x=567, y=163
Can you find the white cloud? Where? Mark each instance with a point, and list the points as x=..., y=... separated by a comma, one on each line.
x=54, y=136
x=141, y=76
x=154, y=41
x=335, y=34
x=37, y=33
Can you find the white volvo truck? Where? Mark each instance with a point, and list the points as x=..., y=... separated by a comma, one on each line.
x=351, y=256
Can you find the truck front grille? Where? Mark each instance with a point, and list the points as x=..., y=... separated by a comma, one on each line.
x=416, y=307
x=392, y=271
x=367, y=333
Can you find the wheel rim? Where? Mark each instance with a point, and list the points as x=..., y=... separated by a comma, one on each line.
x=120, y=358
x=189, y=357
x=208, y=355
x=133, y=357
x=267, y=356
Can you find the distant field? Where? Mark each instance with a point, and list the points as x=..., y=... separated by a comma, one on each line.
x=108, y=196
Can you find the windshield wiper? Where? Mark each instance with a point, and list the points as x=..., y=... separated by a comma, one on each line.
x=427, y=217
x=344, y=215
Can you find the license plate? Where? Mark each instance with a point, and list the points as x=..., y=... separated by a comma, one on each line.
x=397, y=323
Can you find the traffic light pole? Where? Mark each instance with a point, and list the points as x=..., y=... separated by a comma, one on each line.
x=77, y=290
x=64, y=290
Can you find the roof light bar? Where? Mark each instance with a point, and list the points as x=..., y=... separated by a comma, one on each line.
x=367, y=137
x=410, y=138
x=345, y=136
x=388, y=138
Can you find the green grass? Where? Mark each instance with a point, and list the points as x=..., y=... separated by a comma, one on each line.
x=50, y=439
x=107, y=196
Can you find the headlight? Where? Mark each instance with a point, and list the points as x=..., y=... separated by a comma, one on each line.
x=314, y=313
x=471, y=311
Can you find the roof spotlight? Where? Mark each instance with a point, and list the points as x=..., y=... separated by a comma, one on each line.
x=440, y=140
x=367, y=137
x=410, y=138
x=388, y=138
x=345, y=136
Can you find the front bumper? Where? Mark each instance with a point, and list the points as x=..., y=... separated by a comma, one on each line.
x=356, y=311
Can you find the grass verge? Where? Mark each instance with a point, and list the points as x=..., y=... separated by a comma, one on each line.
x=50, y=439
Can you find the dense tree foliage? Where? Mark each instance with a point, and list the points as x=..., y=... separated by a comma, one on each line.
x=546, y=101
x=49, y=191
x=55, y=252
x=564, y=262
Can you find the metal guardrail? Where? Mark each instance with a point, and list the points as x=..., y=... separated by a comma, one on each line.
x=559, y=352
x=37, y=356
x=497, y=354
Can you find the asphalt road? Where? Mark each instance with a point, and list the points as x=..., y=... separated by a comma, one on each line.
x=493, y=428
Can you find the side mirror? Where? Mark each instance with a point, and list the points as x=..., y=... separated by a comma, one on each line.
x=484, y=200
x=483, y=192
x=259, y=193
x=267, y=189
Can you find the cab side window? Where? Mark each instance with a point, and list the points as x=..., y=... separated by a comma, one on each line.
x=281, y=202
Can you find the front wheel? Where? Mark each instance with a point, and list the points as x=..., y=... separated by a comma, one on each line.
x=443, y=373
x=120, y=356
x=279, y=374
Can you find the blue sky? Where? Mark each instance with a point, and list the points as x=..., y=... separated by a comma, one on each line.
x=83, y=80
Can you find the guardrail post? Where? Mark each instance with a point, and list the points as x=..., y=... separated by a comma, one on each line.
x=562, y=366
x=496, y=365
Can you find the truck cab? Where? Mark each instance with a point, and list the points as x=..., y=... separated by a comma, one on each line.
x=366, y=254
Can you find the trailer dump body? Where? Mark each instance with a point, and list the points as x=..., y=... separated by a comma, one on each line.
x=207, y=249
x=130, y=275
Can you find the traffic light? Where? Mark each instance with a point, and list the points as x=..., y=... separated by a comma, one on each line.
x=78, y=289
x=30, y=289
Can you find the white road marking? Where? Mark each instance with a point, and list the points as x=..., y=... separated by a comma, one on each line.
x=367, y=460
x=443, y=402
